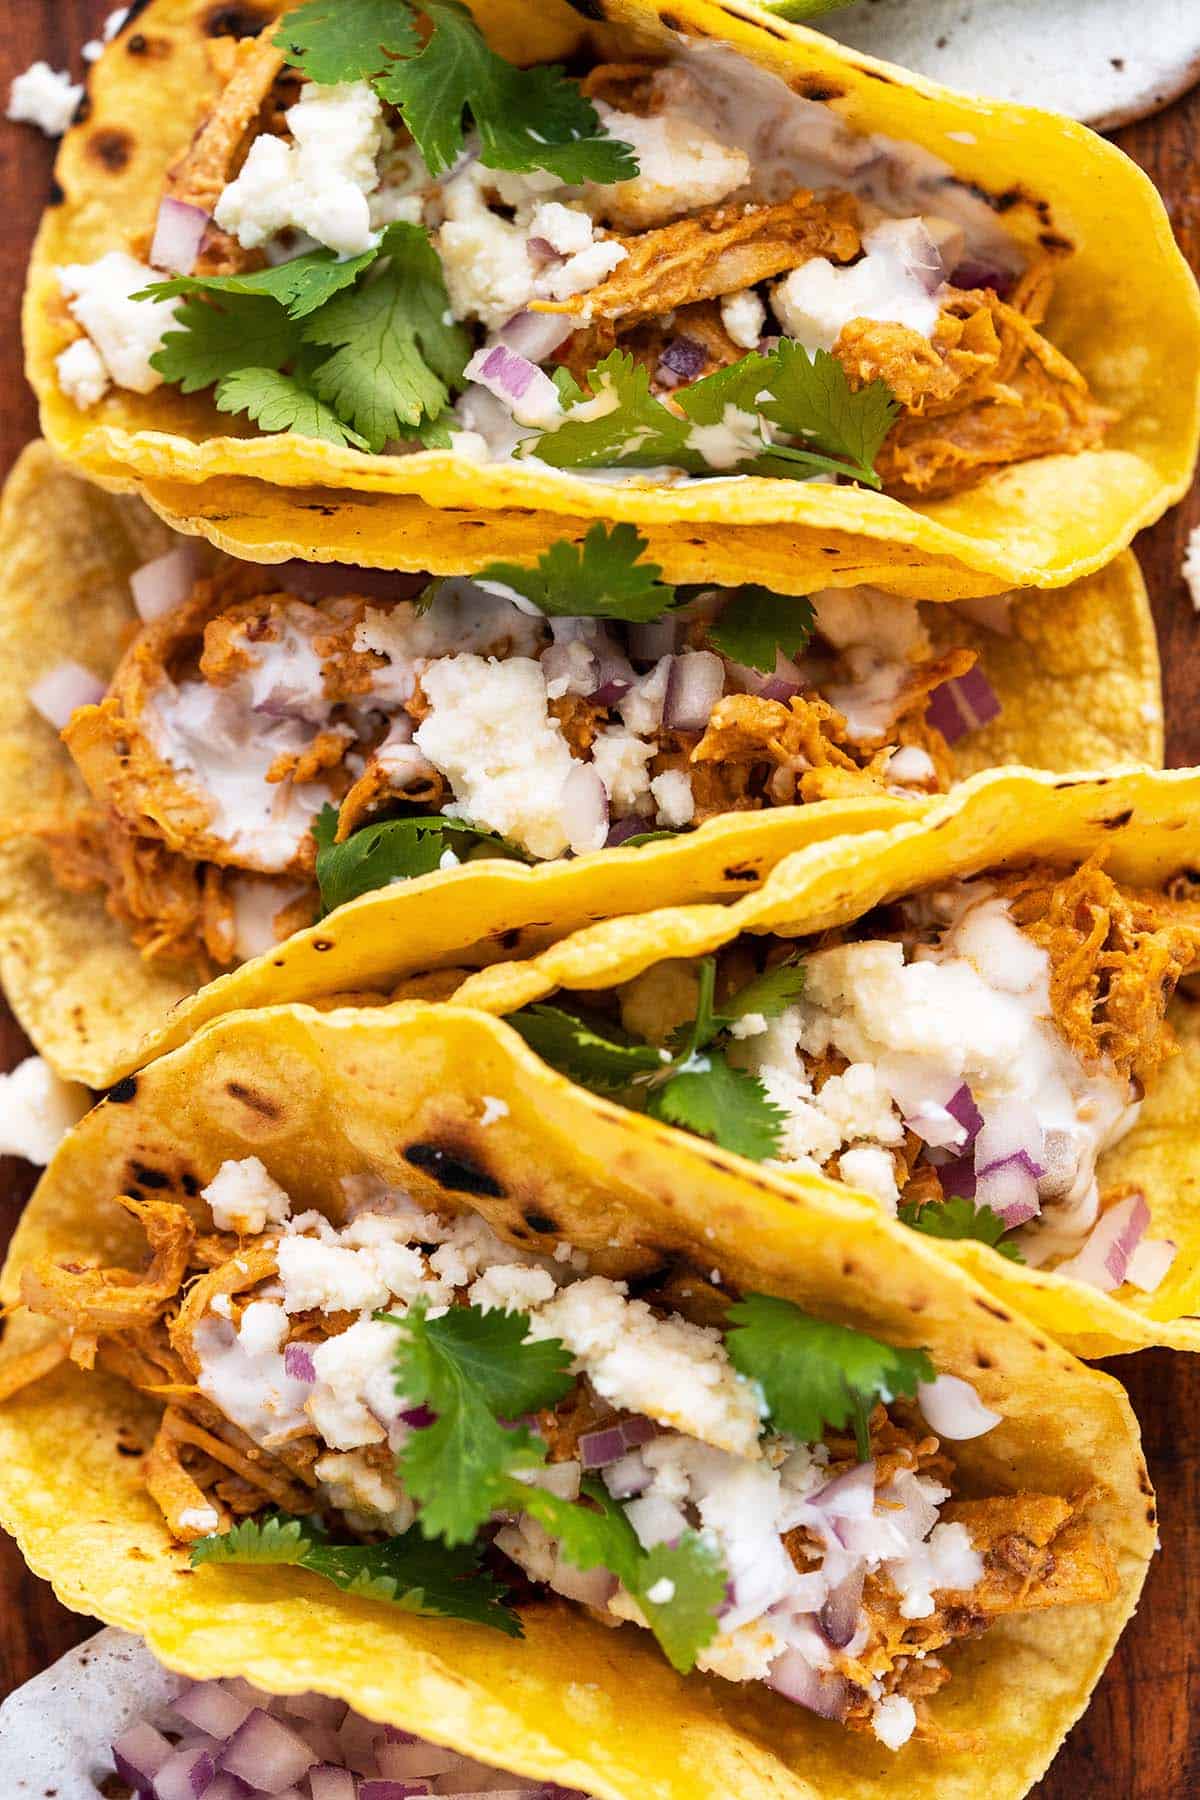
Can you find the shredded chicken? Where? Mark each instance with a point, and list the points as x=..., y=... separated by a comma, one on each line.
x=99, y=1302
x=1117, y=955
x=699, y=325
x=719, y=251
x=219, y=146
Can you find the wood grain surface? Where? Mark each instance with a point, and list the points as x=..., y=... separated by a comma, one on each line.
x=1140, y=1739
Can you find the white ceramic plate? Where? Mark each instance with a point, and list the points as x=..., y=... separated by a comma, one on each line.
x=1102, y=61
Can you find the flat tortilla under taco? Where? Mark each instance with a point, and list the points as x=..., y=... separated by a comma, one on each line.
x=217, y=712
x=721, y=267
x=865, y=1528
x=968, y=1018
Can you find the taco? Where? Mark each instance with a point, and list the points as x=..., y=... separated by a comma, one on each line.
x=967, y=1018
x=397, y=1332
x=229, y=709
x=721, y=267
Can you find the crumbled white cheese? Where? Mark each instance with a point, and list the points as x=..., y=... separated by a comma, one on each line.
x=82, y=375
x=243, y=1197
x=485, y=259
x=816, y=300
x=863, y=615
x=567, y=229
x=369, y=1497
x=37, y=1109
x=744, y=317
x=583, y=271
x=681, y=167
x=512, y=1289
x=872, y=1170
x=319, y=182
x=489, y=733
x=493, y=1109
x=893, y=1720
x=672, y=791
x=675, y=1372
x=44, y=97
x=946, y=1561
x=243, y=1372
x=94, y=47
x=329, y=1278
x=356, y=1385
x=126, y=332
x=200, y=1519
x=621, y=761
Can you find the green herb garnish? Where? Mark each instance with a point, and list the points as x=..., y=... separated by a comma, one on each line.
x=375, y=856
x=958, y=1217
x=602, y=578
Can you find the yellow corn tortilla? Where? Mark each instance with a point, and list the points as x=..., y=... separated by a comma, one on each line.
x=1147, y=825
x=317, y=1096
x=1078, y=680
x=1126, y=312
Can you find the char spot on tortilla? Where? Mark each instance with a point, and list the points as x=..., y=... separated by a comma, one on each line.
x=542, y=1223
x=322, y=944
x=148, y=1177
x=1118, y=820
x=997, y=1312
x=741, y=874
x=815, y=87
x=1054, y=240
x=983, y=1360
x=258, y=1103
x=453, y=1171
x=123, y=1091
x=190, y=1184
x=588, y=9
x=110, y=147
x=236, y=21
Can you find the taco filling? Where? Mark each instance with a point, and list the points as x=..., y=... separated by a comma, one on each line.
x=674, y=265
x=260, y=753
x=409, y=1405
x=964, y=1056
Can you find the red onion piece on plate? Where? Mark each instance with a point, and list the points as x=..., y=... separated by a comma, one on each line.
x=530, y=396
x=585, y=809
x=391, y=1790
x=958, y=1176
x=954, y=1410
x=186, y=1775
x=1150, y=1263
x=615, y=674
x=821, y=1692
x=266, y=1753
x=1114, y=1239
x=962, y=705
x=298, y=1363
x=329, y=1783
x=848, y=1496
x=536, y=335
x=598, y=1449
x=160, y=586
x=695, y=684
x=208, y=1705
x=784, y=681
x=1010, y=1190
x=139, y=1753
x=682, y=360
x=320, y=1709
x=57, y=693
x=953, y=1125
x=178, y=234
x=654, y=638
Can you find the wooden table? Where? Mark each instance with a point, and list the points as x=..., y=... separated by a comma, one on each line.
x=1138, y=1741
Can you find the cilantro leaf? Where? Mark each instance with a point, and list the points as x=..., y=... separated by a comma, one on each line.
x=757, y=624
x=729, y=1106
x=395, y=359
x=407, y=1571
x=577, y=1049
x=209, y=342
x=814, y=1374
x=526, y=118
x=958, y=1217
x=602, y=578
x=471, y=1368
x=279, y=402
x=346, y=40
x=812, y=399
x=395, y=850
x=770, y=993
x=636, y=430
x=300, y=285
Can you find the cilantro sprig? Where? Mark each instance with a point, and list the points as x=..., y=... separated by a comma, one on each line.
x=815, y=1375
x=479, y=1373
x=956, y=1217
x=836, y=429
x=355, y=352
x=393, y=850
x=526, y=118
x=758, y=624
x=410, y=1572
x=697, y=1088
x=602, y=578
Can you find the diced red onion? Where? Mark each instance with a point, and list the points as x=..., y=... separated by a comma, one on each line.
x=298, y=1363
x=404, y=1757
x=911, y=244
x=419, y=1417
x=654, y=638
x=57, y=693
x=320, y=1709
x=1011, y=1131
x=936, y=1126
x=821, y=1692
x=781, y=684
x=954, y=1410
x=958, y=1176
x=1150, y=1263
x=850, y=1495
x=598, y=1449
x=229, y=1787
x=160, y=586
x=971, y=274
x=138, y=1754
x=961, y=1106
x=519, y=384
x=915, y=1514
x=329, y=1783
x=615, y=674
x=178, y=234
x=186, y=1775
x=838, y=1617
x=628, y=1476
x=585, y=809
x=625, y=828
x=656, y=1520
x=1104, y=1260
x=682, y=360
x=536, y=335
x=1010, y=1190
x=207, y=1704
x=962, y=705
x=266, y=1753
x=542, y=251
x=638, y=1430
x=391, y=1790
x=695, y=684
x=590, y=1587
x=563, y=662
